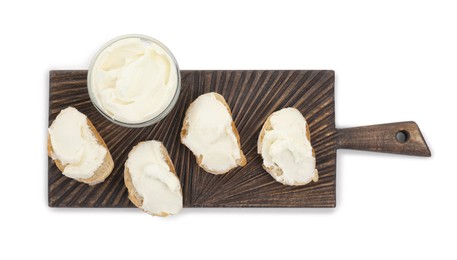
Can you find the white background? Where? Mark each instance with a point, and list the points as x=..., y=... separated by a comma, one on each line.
x=394, y=61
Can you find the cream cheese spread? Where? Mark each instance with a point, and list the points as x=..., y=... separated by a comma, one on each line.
x=75, y=145
x=153, y=179
x=210, y=134
x=287, y=147
x=133, y=80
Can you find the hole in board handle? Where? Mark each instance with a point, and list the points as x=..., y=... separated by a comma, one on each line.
x=402, y=136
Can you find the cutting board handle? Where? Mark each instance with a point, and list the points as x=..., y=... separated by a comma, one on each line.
x=400, y=138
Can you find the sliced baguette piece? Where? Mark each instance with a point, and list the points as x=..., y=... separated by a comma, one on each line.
x=105, y=168
x=208, y=130
x=295, y=134
x=153, y=155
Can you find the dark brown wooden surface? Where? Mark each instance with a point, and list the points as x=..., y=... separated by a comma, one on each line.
x=383, y=138
x=252, y=96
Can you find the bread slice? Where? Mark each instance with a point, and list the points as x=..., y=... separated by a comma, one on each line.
x=103, y=171
x=199, y=157
x=275, y=171
x=133, y=194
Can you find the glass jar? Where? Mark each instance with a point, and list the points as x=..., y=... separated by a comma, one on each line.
x=111, y=116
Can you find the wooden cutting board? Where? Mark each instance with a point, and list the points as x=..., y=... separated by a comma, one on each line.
x=252, y=96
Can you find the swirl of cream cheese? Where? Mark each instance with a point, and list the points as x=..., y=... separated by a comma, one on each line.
x=133, y=80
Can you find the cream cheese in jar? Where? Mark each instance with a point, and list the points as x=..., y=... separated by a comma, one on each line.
x=133, y=80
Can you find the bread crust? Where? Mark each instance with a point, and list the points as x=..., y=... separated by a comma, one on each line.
x=240, y=162
x=133, y=195
x=103, y=171
x=275, y=171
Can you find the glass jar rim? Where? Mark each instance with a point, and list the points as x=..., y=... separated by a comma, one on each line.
x=149, y=121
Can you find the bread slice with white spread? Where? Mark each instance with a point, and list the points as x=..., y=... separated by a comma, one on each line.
x=77, y=149
x=210, y=133
x=151, y=180
x=285, y=146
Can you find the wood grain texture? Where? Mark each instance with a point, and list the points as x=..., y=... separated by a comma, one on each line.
x=383, y=138
x=252, y=96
